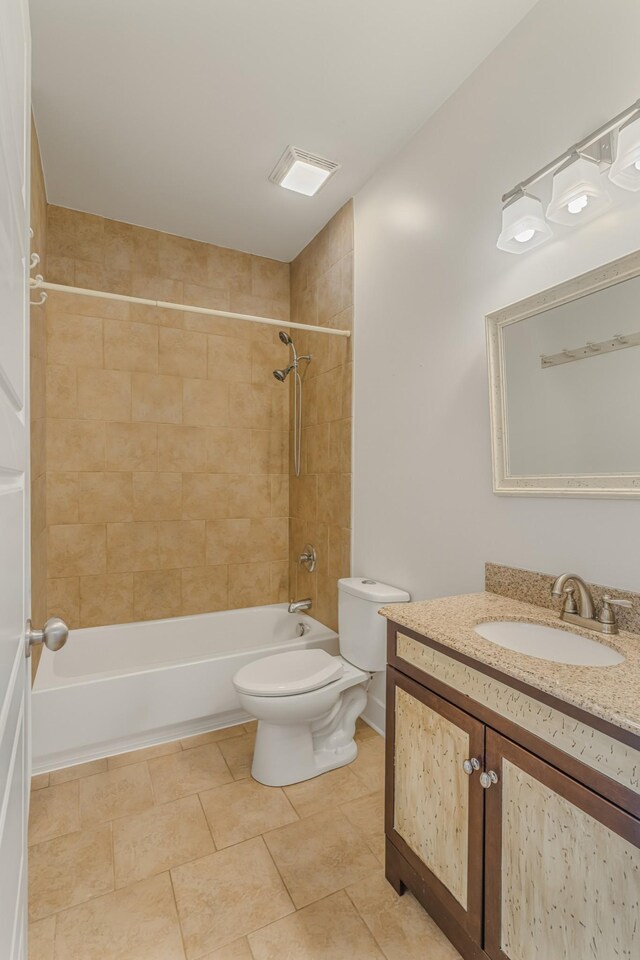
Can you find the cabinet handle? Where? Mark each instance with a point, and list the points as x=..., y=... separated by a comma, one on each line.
x=470, y=766
x=487, y=779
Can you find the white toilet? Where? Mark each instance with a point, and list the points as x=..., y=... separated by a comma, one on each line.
x=306, y=701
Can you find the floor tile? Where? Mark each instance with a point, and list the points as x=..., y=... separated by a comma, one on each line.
x=328, y=930
x=331, y=789
x=244, y=809
x=238, y=754
x=399, y=924
x=228, y=895
x=146, y=753
x=213, y=736
x=319, y=855
x=40, y=937
x=138, y=923
x=69, y=870
x=238, y=950
x=364, y=731
x=367, y=816
x=369, y=764
x=54, y=811
x=151, y=842
x=79, y=770
x=39, y=781
x=251, y=726
x=187, y=772
x=115, y=793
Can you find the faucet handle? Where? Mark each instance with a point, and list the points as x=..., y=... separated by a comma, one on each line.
x=569, y=605
x=613, y=602
x=607, y=614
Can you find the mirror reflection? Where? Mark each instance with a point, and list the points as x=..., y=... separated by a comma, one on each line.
x=572, y=386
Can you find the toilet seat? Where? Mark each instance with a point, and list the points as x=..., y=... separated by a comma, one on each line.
x=287, y=674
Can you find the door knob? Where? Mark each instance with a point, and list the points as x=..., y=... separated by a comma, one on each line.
x=54, y=635
x=469, y=766
x=488, y=779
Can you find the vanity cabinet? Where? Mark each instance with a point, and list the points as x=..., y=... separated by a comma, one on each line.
x=540, y=863
x=437, y=808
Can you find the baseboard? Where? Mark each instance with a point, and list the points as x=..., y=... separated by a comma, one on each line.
x=178, y=731
x=374, y=714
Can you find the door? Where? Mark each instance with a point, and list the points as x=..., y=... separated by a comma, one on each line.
x=562, y=865
x=14, y=460
x=435, y=813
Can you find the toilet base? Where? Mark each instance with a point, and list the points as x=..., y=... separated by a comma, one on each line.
x=290, y=753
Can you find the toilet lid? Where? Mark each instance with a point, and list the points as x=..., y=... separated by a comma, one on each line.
x=285, y=674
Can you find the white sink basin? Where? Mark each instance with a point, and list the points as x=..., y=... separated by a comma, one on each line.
x=547, y=643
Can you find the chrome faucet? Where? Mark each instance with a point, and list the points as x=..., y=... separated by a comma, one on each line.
x=582, y=611
x=299, y=606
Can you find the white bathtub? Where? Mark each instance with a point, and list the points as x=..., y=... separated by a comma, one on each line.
x=116, y=688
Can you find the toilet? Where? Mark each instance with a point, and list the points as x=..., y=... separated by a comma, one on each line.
x=307, y=701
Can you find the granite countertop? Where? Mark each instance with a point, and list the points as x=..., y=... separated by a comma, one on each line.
x=611, y=693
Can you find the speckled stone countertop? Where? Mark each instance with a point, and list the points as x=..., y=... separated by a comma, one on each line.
x=611, y=693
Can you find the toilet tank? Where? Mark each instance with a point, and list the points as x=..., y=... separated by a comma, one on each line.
x=363, y=633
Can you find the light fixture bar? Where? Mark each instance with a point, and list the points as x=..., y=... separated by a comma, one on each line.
x=579, y=147
x=617, y=342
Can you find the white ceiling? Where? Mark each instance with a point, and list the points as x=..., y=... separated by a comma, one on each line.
x=171, y=113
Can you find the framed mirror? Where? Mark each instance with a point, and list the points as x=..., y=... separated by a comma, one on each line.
x=564, y=374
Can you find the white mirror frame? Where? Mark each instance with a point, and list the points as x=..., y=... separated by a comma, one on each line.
x=601, y=485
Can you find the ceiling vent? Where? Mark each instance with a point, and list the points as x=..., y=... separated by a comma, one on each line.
x=302, y=172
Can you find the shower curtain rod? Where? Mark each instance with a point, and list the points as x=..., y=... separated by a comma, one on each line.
x=40, y=284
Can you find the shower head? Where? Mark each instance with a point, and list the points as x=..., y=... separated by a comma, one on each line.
x=282, y=375
x=286, y=338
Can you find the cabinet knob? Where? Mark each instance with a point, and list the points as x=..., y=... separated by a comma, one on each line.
x=487, y=779
x=470, y=766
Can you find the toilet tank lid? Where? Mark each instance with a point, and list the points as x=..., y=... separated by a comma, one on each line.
x=372, y=590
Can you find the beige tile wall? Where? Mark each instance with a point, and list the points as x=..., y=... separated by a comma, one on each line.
x=320, y=502
x=37, y=361
x=167, y=488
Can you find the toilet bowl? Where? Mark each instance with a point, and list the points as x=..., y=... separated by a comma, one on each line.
x=307, y=701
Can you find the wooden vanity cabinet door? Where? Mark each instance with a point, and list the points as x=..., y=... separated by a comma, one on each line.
x=562, y=865
x=434, y=811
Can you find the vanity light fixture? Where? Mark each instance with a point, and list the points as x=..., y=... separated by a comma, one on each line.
x=578, y=192
x=523, y=224
x=302, y=172
x=625, y=169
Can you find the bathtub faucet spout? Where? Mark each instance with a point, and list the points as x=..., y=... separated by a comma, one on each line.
x=298, y=606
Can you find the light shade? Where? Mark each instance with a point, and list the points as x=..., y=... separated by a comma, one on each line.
x=302, y=172
x=578, y=193
x=625, y=169
x=523, y=225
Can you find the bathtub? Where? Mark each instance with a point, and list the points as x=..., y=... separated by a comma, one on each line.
x=118, y=688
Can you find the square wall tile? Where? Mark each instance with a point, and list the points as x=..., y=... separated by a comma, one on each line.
x=103, y=394
x=76, y=549
x=106, y=599
x=157, y=594
x=156, y=398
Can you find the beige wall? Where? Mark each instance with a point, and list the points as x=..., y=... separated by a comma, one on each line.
x=167, y=476
x=37, y=361
x=322, y=293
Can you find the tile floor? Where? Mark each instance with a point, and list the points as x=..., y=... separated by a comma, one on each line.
x=175, y=853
